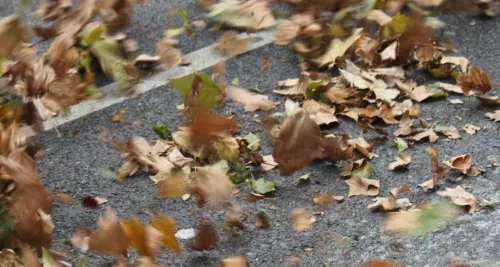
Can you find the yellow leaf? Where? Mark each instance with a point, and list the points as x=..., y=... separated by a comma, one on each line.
x=166, y=225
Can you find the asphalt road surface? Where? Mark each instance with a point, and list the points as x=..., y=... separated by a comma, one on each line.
x=347, y=234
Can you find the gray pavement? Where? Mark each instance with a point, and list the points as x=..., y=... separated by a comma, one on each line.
x=346, y=235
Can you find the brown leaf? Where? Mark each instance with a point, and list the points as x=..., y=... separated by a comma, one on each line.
x=169, y=55
x=262, y=17
x=337, y=149
x=66, y=198
x=140, y=237
x=110, y=238
x=235, y=261
x=382, y=263
x=429, y=133
x=166, y=226
x=495, y=116
x=471, y=129
x=461, y=198
x=251, y=102
x=268, y=163
x=475, y=79
x=64, y=92
x=402, y=162
x=212, y=185
x=229, y=44
x=387, y=203
x=359, y=186
x=232, y=220
x=405, y=125
x=285, y=32
x=206, y=235
x=299, y=142
x=11, y=34
x=262, y=220
x=302, y=219
x=489, y=100
x=206, y=128
x=319, y=112
x=119, y=117
x=461, y=163
x=326, y=198
x=437, y=170
x=172, y=186
x=294, y=86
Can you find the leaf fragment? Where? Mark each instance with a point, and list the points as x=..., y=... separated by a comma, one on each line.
x=230, y=44
x=495, y=116
x=401, y=144
x=402, y=162
x=471, y=129
x=302, y=219
x=206, y=236
x=461, y=198
x=235, y=261
x=262, y=186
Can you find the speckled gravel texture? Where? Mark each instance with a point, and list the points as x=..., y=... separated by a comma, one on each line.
x=347, y=234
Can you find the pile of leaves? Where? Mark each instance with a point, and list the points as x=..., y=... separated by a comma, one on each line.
x=357, y=58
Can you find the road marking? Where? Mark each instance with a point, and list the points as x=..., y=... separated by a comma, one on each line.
x=201, y=59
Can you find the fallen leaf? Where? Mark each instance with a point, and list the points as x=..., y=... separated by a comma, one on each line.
x=172, y=185
x=206, y=235
x=47, y=259
x=285, y=32
x=429, y=133
x=489, y=100
x=251, y=102
x=379, y=16
x=381, y=263
x=268, y=163
x=294, y=86
x=262, y=220
x=471, y=129
x=66, y=198
x=206, y=128
x=461, y=198
x=461, y=163
x=401, y=144
x=213, y=185
x=337, y=48
x=253, y=141
x=402, y=162
x=262, y=186
x=450, y=131
x=302, y=219
x=360, y=186
x=235, y=261
x=437, y=170
x=456, y=101
x=252, y=14
x=319, y=112
x=417, y=222
x=166, y=226
x=450, y=87
x=495, y=116
x=299, y=142
x=399, y=24
x=475, y=79
x=140, y=237
x=405, y=125
x=389, y=52
x=459, y=61
x=326, y=198
x=119, y=117
x=229, y=44
x=169, y=54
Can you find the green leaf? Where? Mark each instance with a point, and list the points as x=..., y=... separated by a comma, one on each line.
x=398, y=25
x=47, y=259
x=304, y=178
x=109, y=54
x=235, y=81
x=239, y=172
x=184, y=15
x=228, y=149
x=253, y=141
x=93, y=35
x=174, y=32
x=362, y=171
x=107, y=173
x=401, y=143
x=313, y=91
x=256, y=90
x=435, y=91
x=263, y=187
x=433, y=216
x=162, y=131
x=81, y=262
x=209, y=93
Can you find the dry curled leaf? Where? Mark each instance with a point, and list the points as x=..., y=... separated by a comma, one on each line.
x=229, y=43
x=235, y=261
x=302, y=219
x=206, y=235
x=326, y=198
x=212, y=185
x=251, y=102
x=285, y=32
x=320, y=113
x=362, y=186
x=437, y=170
x=461, y=163
x=402, y=162
x=461, y=198
x=119, y=117
x=169, y=55
x=471, y=129
x=166, y=226
x=262, y=220
x=475, y=79
x=206, y=128
x=495, y=116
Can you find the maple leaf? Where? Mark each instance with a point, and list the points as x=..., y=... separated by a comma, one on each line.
x=292, y=152
x=213, y=185
x=262, y=186
x=235, y=261
x=391, y=202
x=461, y=163
x=198, y=90
x=166, y=226
x=437, y=170
x=229, y=44
x=206, y=236
x=461, y=198
x=475, y=79
x=302, y=219
x=361, y=186
x=320, y=113
x=285, y=32
x=110, y=238
x=169, y=55
x=495, y=116
x=402, y=162
x=251, y=102
x=337, y=48
x=326, y=198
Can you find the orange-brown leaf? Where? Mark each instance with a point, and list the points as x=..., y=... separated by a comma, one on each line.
x=206, y=235
x=207, y=128
x=138, y=237
x=167, y=226
x=475, y=79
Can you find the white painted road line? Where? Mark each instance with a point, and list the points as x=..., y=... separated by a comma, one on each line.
x=201, y=59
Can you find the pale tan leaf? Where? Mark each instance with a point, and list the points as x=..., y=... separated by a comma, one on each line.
x=471, y=129
x=337, y=48
x=402, y=162
x=302, y=219
x=268, y=163
x=360, y=186
x=285, y=32
x=379, y=16
x=461, y=163
x=461, y=198
x=495, y=116
x=251, y=102
x=319, y=112
x=389, y=52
